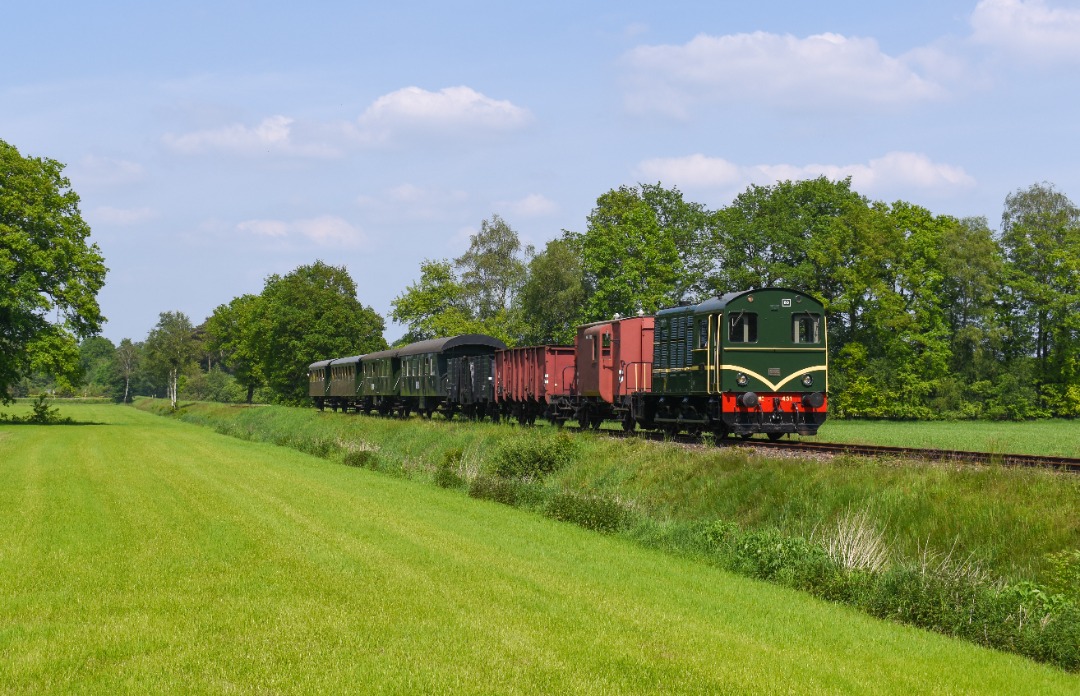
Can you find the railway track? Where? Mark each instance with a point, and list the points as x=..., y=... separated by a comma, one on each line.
x=1070, y=464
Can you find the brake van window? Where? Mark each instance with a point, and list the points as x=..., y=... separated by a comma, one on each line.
x=806, y=328
x=742, y=327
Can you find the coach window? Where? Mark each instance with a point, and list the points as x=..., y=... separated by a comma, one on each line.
x=742, y=327
x=806, y=328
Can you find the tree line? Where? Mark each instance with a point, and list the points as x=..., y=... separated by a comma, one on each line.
x=930, y=316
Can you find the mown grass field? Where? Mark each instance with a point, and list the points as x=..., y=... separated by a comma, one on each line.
x=149, y=555
x=1004, y=519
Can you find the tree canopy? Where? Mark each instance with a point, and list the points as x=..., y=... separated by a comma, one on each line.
x=307, y=315
x=476, y=293
x=49, y=271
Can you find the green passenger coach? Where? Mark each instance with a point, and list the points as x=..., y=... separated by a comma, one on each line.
x=747, y=362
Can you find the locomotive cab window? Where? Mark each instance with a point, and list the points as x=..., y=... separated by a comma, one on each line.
x=742, y=327
x=806, y=328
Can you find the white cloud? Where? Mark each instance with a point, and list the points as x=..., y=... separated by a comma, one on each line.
x=888, y=174
x=1028, y=29
x=326, y=230
x=264, y=228
x=107, y=171
x=273, y=135
x=453, y=109
x=412, y=202
x=121, y=216
x=532, y=205
x=821, y=70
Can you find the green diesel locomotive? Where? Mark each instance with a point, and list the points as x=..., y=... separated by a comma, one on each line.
x=748, y=362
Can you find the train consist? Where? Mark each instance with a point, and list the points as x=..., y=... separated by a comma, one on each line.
x=748, y=362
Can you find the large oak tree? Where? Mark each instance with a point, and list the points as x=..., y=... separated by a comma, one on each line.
x=49, y=272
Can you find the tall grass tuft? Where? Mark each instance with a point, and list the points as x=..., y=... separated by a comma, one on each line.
x=856, y=544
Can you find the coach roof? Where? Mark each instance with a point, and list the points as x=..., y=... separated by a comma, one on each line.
x=440, y=345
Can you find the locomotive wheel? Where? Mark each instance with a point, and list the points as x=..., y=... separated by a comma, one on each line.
x=671, y=430
x=595, y=422
x=775, y=436
x=746, y=436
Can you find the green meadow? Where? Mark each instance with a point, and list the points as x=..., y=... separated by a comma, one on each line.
x=142, y=554
x=1059, y=438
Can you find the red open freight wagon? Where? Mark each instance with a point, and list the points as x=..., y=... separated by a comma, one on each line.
x=530, y=381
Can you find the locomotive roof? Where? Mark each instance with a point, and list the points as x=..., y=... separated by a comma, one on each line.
x=717, y=304
x=438, y=345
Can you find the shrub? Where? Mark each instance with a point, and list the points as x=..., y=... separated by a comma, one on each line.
x=532, y=455
x=500, y=490
x=446, y=473
x=364, y=458
x=1063, y=573
x=589, y=511
x=792, y=561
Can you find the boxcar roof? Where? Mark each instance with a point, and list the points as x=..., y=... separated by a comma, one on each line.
x=438, y=345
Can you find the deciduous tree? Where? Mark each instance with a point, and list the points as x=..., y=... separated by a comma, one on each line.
x=232, y=333
x=630, y=260
x=126, y=360
x=1040, y=239
x=307, y=315
x=170, y=348
x=49, y=271
x=491, y=271
x=552, y=299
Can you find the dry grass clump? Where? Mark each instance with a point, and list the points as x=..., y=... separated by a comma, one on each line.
x=856, y=544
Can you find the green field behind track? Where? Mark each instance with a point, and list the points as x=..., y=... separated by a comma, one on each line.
x=149, y=555
x=1059, y=438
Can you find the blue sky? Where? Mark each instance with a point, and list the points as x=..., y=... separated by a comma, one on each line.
x=215, y=143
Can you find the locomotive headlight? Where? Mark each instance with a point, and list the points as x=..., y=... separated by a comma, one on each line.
x=742, y=380
x=807, y=380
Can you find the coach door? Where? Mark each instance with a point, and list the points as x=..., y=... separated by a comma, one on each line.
x=714, y=362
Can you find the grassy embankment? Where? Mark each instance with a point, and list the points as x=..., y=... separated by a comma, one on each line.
x=148, y=555
x=945, y=537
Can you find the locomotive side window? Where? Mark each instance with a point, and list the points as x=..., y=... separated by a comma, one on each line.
x=806, y=328
x=702, y=334
x=742, y=327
